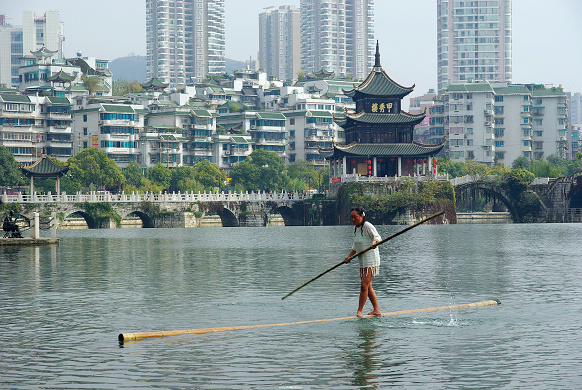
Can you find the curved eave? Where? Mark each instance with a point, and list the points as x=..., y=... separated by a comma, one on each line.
x=44, y=167
x=378, y=83
x=370, y=118
x=412, y=150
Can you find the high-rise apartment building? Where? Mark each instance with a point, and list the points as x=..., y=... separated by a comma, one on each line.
x=279, y=42
x=338, y=36
x=18, y=41
x=473, y=41
x=185, y=39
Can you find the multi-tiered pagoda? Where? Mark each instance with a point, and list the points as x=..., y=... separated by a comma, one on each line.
x=379, y=135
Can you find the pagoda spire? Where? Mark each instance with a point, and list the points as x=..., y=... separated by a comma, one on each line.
x=377, y=63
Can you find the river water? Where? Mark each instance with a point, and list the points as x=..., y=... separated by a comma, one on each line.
x=62, y=308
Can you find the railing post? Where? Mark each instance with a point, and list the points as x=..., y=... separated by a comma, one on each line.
x=35, y=231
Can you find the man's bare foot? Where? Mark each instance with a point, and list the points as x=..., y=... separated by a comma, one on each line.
x=375, y=313
x=359, y=314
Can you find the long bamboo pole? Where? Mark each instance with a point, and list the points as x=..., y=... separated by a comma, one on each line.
x=366, y=250
x=142, y=335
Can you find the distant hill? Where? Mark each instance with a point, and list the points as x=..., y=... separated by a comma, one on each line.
x=134, y=68
x=232, y=65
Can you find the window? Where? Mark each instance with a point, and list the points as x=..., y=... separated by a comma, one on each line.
x=292, y=121
x=498, y=98
x=84, y=117
x=469, y=142
x=84, y=131
x=499, y=144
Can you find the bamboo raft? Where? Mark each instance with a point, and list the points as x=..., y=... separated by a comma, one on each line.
x=136, y=336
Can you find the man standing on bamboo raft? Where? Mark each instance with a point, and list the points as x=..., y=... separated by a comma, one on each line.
x=365, y=236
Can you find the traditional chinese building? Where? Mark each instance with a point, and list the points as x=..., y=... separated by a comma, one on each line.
x=379, y=135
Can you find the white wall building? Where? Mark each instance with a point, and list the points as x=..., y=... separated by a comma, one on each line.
x=18, y=41
x=279, y=42
x=185, y=40
x=113, y=128
x=473, y=42
x=498, y=123
x=33, y=125
x=338, y=36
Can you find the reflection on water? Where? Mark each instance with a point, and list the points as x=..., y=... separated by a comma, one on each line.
x=63, y=306
x=367, y=358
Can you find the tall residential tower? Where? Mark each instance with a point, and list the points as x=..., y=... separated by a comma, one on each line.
x=185, y=39
x=473, y=41
x=279, y=42
x=18, y=41
x=338, y=36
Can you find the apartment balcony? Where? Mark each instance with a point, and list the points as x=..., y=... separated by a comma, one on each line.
x=116, y=122
x=270, y=141
x=59, y=115
x=59, y=129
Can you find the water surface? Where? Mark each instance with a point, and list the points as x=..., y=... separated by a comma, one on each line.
x=62, y=308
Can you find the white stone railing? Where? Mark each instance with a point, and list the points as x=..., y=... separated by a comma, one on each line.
x=94, y=197
x=354, y=177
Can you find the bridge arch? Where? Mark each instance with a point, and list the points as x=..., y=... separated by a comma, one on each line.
x=145, y=218
x=289, y=216
x=228, y=218
x=462, y=192
x=90, y=221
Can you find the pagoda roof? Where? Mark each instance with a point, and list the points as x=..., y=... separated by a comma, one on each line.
x=201, y=113
x=414, y=149
x=402, y=117
x=44, y=167
x=61, y=77
x=43, y=52
x=59, y=101
x=378, y=83
x=154, y=83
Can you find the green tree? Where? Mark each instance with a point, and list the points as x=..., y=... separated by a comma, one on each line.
x=92, y=167
x=10, y=174
x=91, y=83
x=245, y=175
x=209, y=175
x=133, y=174
x=516, y=181
x=122, y=87
x=160, y=176
x=184, y=179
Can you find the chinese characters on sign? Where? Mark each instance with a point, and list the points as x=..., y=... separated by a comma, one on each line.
x=381, y=107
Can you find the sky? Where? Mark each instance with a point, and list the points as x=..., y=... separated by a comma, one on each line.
x=546, y=35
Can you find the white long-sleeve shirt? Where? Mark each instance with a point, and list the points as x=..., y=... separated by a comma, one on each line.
x=363, y=238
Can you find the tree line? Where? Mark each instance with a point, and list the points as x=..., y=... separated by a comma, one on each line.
x=92, y=170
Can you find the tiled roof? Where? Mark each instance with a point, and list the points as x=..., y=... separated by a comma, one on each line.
x=44, y=167
x=470, y=88
x=240, y=140
x=154, y=83
x=61, y=77
x=403, y=150
x=378, y=83
x=547, y=91
x=512, y=90
x=202, y=113
x=116, y=108
x=366, y=117
x=323, y=114
x=59, y=101
x=12, y=97
x=270, y=115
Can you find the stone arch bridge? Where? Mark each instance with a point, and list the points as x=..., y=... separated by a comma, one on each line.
x=171, y=210
x=560, y=199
